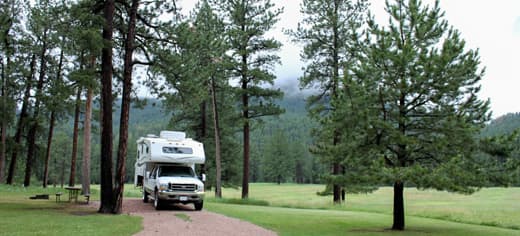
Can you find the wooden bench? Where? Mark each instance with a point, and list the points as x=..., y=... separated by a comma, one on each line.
x=87, y=198
x=40, y=196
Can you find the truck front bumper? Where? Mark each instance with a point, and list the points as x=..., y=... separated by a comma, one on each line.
x=181, y=197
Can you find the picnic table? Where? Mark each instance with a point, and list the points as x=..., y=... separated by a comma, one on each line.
x=73, y=193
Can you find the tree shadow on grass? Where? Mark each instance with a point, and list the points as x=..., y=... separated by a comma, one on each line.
x=389, y=231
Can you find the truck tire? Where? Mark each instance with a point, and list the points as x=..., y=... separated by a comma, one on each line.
x=145, y=196
x=198, y=205
x=157, y=203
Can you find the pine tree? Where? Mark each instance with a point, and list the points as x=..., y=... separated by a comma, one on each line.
x=43, y=29
x=107, y=195
x=125, y=107
x=85, y=44
x=278, y=161
x=75, y=135
x=415, y=109
x=329, y=31
x=210, y=55
x=56, y=104
x=499, y=158
x=138, y=23
x=193, y=63
x=22, y=119
x=9, y=21
x=253, y=59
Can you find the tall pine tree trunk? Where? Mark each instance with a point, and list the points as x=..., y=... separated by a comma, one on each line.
x=85, y=173
x=125, y=111
x=51, y=129
x=31, y=137
x=398, y=206
x=245, y=116
x=336, y=189
x=31, y=144
x=21, y=122
x=202, y=132
x=3, y=132
x=336, y=169
x=48, y=152
x=62, y=175
x=6, y=73
x=218, y=167
x=3, y=150
x=107, y=196
x=75, y=134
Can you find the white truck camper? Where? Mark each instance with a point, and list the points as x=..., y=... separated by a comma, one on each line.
x=165, y=169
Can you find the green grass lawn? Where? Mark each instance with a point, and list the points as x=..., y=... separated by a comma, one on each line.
x=290, y=221
x=21, y=216
x=288, y=209
x=490, y=206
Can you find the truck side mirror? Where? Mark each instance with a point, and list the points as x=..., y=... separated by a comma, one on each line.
x=147, y=174
x=203, y=177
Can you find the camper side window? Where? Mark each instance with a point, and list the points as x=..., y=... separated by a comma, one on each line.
x=177, y=150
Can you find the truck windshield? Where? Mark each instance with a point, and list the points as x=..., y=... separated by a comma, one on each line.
x=178, y=171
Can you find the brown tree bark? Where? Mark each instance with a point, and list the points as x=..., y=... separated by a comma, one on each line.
x=31, y=142
x=87, y=130
x=62, y=175
x=31, y=136
x=398, y=206
x=6, y=74
x=125, y=111
x=218, y=167
x=3, y=136
x=48, y=152
x=107, y=196
x=335, y=85
x=336, y=189
x=3, y=128
x=201, y=129
x=245, y=116
x=21, y=121
x=51, y=129
x=85, y=173
x=75, y=134
x=203, y=123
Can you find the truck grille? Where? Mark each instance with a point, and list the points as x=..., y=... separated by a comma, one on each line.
x=182, y=187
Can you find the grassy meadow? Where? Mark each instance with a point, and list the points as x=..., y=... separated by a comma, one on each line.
x=293, y=221
x=288, y=209
x=490, y=206
x=21, y=216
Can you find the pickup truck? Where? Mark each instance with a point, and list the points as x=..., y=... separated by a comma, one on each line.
x=173, y=183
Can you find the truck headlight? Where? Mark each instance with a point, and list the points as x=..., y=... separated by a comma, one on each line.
x=200, y=188
x=163, y=186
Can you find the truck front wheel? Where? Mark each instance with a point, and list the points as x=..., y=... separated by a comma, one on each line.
x=145, y=196
x=198, y=205
x=157, y=203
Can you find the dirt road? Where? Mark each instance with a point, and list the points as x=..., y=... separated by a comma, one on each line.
x=184, y=220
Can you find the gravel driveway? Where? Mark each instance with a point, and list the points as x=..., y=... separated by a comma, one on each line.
x=184, y=220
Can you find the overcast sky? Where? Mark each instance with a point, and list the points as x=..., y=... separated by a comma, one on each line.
x=491, y=26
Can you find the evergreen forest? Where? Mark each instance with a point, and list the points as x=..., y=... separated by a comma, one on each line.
x=395, y=104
